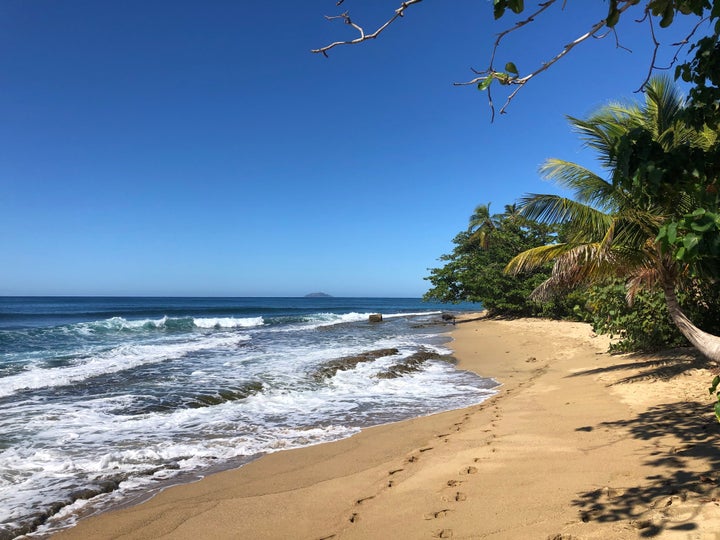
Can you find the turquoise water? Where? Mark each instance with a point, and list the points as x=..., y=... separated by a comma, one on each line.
x=105, y=398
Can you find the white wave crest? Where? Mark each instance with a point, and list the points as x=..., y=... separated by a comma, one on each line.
x=119, y=323
x=330, y=319
x=228, y=322
x=117, y=359
x=418, y=314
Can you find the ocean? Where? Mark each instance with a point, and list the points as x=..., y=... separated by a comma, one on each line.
x=104, y=400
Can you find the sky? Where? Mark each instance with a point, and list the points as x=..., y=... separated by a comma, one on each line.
x=186, y=148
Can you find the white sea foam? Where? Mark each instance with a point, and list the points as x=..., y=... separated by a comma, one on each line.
x=119, y=358
x=228, y=322
x=330, y=319
x=119, y=323
x=417, y=314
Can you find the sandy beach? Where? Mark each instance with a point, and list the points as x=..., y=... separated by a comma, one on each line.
x=577, y=444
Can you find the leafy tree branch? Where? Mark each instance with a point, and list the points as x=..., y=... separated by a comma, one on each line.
x=664, y=10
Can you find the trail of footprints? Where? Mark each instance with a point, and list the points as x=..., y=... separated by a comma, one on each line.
x=456, y=497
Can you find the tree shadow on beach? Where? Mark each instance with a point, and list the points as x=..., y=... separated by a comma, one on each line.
x=682, y=438
x=662, y=365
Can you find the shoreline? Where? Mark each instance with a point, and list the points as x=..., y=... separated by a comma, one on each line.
x=576, y=444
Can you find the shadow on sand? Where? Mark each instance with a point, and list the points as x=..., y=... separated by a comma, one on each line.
x=682, y=442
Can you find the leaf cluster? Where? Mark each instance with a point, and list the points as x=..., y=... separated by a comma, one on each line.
x=474, y=271
x=694, y=239
x=645, y=325
x=714, y=390
x=499, y=7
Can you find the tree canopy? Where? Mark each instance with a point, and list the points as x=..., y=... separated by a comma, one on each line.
x=613, y=224
x=474, y=271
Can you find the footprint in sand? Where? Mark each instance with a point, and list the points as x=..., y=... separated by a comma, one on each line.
x=360, y=501
x=354, y=518
x=460, y=496
x=469, y=470
x=453, y=483
x=426, y=449
x=445, y=533
x=439, y=514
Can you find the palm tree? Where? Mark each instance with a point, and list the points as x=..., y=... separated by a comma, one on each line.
x=482, y=223
x=612, y=225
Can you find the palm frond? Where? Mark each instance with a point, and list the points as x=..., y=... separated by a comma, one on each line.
x=610, y=230
x=645, y=278
x=579, y=264
x=557, y=209
x=586, y=186
x=534, y=258
x=663, y=104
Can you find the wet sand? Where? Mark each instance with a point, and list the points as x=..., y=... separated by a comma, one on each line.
x=578, y=444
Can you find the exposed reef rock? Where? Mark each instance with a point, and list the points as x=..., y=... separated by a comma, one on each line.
x=349, y=362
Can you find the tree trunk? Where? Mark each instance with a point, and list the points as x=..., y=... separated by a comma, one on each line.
x=707, y=344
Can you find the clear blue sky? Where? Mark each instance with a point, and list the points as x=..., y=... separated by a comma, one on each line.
x=198, y=148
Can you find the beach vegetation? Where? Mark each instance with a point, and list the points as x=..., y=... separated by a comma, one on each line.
x=645, y=325
x=714, y=390
x=645, y=224
x=474, y=271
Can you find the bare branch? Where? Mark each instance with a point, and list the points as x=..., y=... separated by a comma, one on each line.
x=505, y=79
x=681, y=44
x=492, y=106
x=399, y=12
x=656, y=44
x=484, y=78
x=617, y=43
x=531, y=18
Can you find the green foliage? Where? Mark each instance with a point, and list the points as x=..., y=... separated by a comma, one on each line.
x=702, y=70
x=499, y=76
x=499, y=7
x=665, y=9
x=694, y=239
x=714, y=390
x=475, y=274
x=644, y=326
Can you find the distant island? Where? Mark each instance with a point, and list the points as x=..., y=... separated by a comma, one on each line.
x=318, y=295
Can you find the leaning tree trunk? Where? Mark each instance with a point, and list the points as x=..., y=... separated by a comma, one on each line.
x=707, y=344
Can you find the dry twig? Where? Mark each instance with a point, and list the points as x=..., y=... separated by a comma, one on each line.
x=399, y=12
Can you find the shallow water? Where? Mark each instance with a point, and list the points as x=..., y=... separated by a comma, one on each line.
x=103, y=398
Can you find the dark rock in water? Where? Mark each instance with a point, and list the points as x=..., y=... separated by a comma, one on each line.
x=349, y=362
x=318, y=295
x=377, y=317
x=411, y=363
x=225, y=394
x=440, y=320
x=30, y=522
